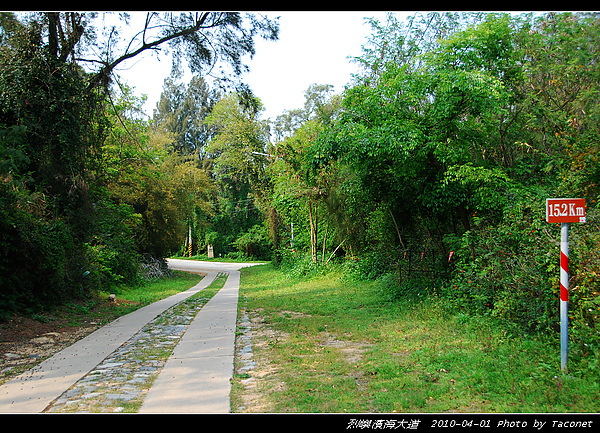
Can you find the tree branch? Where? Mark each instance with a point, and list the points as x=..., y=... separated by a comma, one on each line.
x=103, y=74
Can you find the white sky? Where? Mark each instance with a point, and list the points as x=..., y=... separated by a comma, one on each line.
x=313, y=47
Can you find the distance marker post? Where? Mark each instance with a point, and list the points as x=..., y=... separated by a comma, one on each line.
x=564, y=295
x=564, y=211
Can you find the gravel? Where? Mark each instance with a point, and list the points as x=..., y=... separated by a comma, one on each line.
x=121, y=381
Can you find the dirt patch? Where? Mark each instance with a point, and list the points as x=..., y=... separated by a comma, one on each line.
x=256, y=377
x=25, y=342
x=352, y=350
x=292, y=314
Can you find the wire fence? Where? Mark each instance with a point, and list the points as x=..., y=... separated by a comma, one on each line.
x=425, y=263
x=152, y=269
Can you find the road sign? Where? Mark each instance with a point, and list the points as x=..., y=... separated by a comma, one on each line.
x=565, y=210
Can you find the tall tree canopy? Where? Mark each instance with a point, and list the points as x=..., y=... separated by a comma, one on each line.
x=211, y=42
x=182, y=110
x=85, y=188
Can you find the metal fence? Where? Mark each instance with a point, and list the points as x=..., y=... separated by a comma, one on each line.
x=426, y=263
x=152, y=269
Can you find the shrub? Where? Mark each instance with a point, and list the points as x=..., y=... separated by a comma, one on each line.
x=255, y=243
x=515, y=274
x=111, y=253
x=40, y=264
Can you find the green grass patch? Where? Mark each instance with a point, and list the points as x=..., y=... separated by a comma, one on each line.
x=101, y=310
x=227, y=259
x=128, y=298
x=328, y=343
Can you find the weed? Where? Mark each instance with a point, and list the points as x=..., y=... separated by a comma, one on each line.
x=328, y=343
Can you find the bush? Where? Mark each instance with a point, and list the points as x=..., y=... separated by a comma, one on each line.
x=237, y=256
x=40, y=264
x=111, y=254
x=44, y=263
x=370, y=265
x=255, y=243
x=510, y=276
x=298, y=264
x=515, y=275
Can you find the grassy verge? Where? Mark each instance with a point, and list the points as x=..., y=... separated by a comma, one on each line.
x=205, y=258
x=76, y=319
x=328, y=344
x=128, y=299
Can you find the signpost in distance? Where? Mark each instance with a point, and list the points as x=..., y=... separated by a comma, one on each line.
x=564, y=211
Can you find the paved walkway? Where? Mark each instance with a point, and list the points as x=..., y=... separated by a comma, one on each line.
x=196, y=379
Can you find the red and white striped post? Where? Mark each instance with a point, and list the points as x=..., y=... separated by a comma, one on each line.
x=564, y=295
x=564, y=211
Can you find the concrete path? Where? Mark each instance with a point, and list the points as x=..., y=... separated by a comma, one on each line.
x=195, y=380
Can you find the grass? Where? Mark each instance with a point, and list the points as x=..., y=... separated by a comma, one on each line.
x=228, y=259
x=330, y=344
x=129, y=298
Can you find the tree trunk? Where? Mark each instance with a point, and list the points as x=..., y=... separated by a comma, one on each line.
x=335, y=251
x=325, y=242
x=312, y=219
x=401, y=243
x=53, y=22
x=396, y=225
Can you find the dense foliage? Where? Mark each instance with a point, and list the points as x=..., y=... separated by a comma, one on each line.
x=89, y=189
x=433, y=172
x=430, y=171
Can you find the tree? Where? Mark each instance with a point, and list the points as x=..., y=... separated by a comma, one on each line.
x=182, y=110
x=239, y=145
x=164, y=189
x=456, y=148
x=65, y=170
x=559, y=100
x=404, y=43
x=409, y=132
x=294, y=180
x=294, y=177
x=54, y=161
x=319, y=102
x=205, y=39
x=239, y=151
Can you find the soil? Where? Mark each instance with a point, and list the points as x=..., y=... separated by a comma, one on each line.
x=25, y=342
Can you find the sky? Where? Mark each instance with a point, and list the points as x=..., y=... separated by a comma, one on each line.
x=313, y=48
